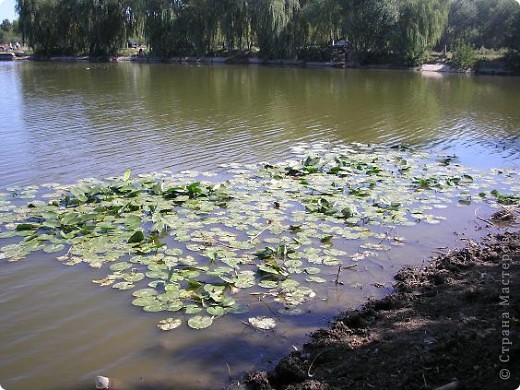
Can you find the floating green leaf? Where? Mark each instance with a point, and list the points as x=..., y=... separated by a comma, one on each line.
x=145, y=292
x=312, y=270
x=200, y=322
x=261, y=322
x=253, y=235
x=127, y=175
x=137, y=237
x=133, y=277
x=216, y=311
x=192, y=309
x=315, y=279
x=169, y=323
x=153, y=307
x=123, y=285
x=26, y=226
x=120, y=266
x=268, y=284
x=54, y=248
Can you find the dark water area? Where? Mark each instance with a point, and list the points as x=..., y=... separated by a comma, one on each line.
x=64, y=122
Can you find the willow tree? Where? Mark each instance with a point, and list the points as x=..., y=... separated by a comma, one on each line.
x=235, y=22
x=73, y=23
x=39, y=25
x=371, y=25
x=421, y=24
x=195, y=27
x=461, y=22
x=161, y=25
x=25, y=18
x=72, y=27
x=513, y=33
x=277, y=27
x=109, y=29
x=134, y=18
x=324, y=18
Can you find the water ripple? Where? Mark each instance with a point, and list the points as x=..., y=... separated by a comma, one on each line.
x=63, y=122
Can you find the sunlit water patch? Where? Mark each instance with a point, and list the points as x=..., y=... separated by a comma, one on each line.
x=63, y=122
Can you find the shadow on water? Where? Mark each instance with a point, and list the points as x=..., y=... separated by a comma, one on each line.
x=214, y=365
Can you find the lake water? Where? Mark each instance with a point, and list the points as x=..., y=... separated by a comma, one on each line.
x=64, y=122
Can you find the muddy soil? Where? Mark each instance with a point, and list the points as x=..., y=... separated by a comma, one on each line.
x=452, y=325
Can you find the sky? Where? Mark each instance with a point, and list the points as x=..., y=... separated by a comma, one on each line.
x=7, y=10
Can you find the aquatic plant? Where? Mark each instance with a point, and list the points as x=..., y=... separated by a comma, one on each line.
x=200, y=245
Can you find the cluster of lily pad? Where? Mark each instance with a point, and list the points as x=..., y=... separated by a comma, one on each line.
x=199, y=245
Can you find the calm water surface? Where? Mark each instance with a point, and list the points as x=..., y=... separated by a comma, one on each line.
x=63, y=122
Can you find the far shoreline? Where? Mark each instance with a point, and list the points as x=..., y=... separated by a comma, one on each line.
x=493, y=69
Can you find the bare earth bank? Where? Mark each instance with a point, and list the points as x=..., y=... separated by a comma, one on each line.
x=453, y=325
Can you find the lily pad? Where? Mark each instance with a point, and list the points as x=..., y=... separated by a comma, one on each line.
x=261, y=322
x=312, y=270
x=192, y=309
x=145, y=292
x=169, y=324
x=153, y=307
x=137, y=237
x=133, y=277
x=315, y=279
x=200, y=322
x=54, y=248
x=216, y=311
x=265, y=225
x=120, y=266
x=268, y=284
x=123, y=285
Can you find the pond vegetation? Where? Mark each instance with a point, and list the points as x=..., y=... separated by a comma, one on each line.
x=197, y=245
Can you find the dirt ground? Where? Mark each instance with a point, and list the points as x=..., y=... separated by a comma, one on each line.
x=453, y=325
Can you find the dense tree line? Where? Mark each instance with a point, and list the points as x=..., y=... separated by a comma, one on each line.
x=377, y=30
x=7, y=30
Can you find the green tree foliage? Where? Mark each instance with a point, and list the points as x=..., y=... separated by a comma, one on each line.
x=377, y=30
x=160, y=25
x=461, y=22
x=495, y=16
x=98, y=27
x=202, y=24
x=107, y=30
x=6, y=25
x=234, y=18
x=324, y=19
x=421, y=24
x=370, y=26
x=463, y=55
x=513, y=41
x=277, y=27
x=482, y=23
x=514, y=31
x=40, y=21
